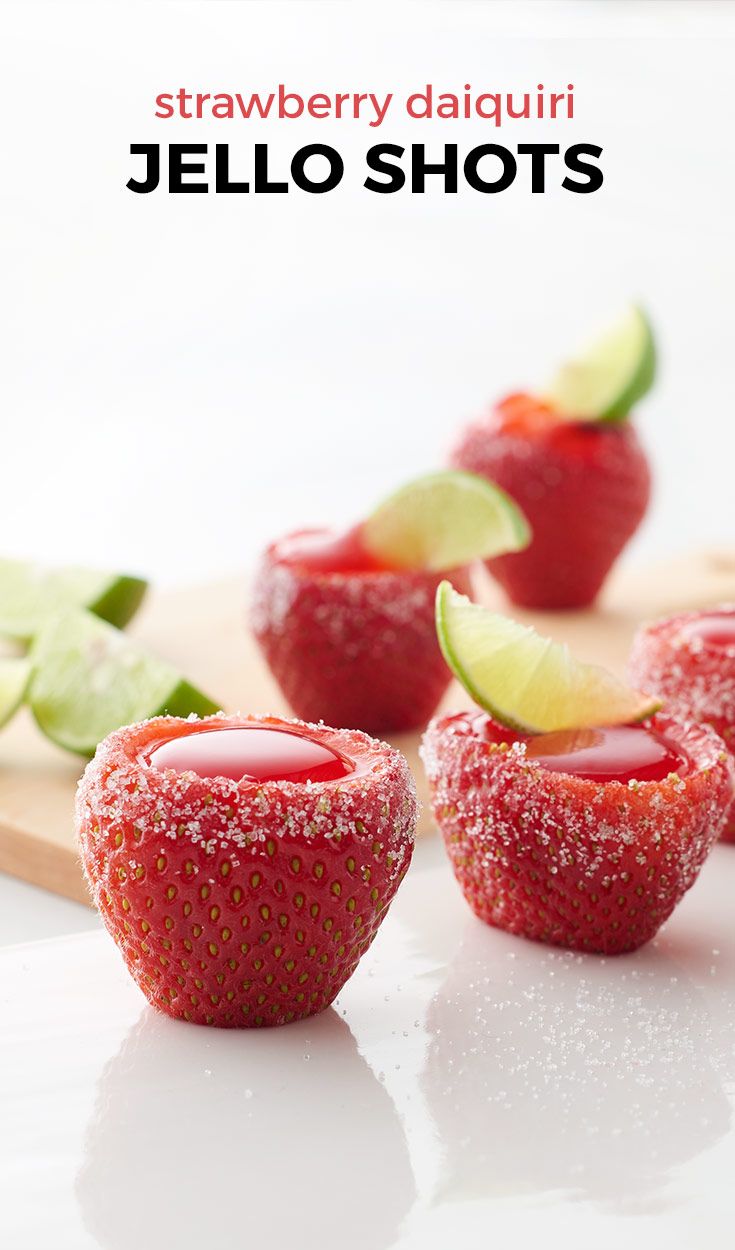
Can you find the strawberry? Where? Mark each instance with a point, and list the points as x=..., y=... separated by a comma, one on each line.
x=577, y=860
x=583, y=486
x=689, y=661
x=350, y=641
x=243, y=902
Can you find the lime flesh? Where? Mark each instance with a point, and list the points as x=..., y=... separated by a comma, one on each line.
x=525, y=681
x=603, y=383
x=445, y=520
x=88, y=678
x=29, y=594
x=14, y=675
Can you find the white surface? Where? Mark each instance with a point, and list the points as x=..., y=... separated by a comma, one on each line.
x=183, y=377
x=469, y=1087
x=28, y=914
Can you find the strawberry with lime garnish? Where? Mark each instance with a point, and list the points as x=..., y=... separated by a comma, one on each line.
x=571, y=459
x=573, y=809
x=346, y=619
x=689, y=660
x=243, y=865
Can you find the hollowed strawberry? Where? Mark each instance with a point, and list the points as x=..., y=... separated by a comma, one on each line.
x=587, y=838
x=243, y=877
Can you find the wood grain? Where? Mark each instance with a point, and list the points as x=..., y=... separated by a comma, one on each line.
x=202, y=629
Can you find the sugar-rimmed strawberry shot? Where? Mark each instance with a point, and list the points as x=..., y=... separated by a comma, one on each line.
x=243, y=865
x=573, y=810
x=689, y=660
x=346, y=620
x=573, y=462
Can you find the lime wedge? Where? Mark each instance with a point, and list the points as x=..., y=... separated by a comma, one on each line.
x=14, y=675
x=89, y=678
x=30, y=593
x=525, y=681
x=604, y=382
x=444, y=520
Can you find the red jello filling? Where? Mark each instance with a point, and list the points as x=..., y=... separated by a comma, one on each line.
x=323, y=551
x=715, y=630
x=620, y=753
x=251, y=753
x=616, y=753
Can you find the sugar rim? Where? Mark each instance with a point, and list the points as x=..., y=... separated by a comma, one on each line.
x=667, y=631
x=700, y=743
x=303, y=573
x=374, y=761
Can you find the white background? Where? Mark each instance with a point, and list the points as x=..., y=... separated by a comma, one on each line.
x=185, y=376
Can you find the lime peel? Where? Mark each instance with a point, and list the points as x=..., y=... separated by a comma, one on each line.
x=610, y=376
x=31, y=593
x=526, y=681
x=444, y=520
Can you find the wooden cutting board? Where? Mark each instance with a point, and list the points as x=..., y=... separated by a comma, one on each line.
x=202, y=629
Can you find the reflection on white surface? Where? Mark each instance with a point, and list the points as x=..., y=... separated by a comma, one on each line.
x=466, y=1085
x=550, y=1072
x=243, y=1141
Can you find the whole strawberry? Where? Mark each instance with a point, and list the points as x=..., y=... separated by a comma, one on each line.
x=580, y=861
x=583, y=486
x=243, y=894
